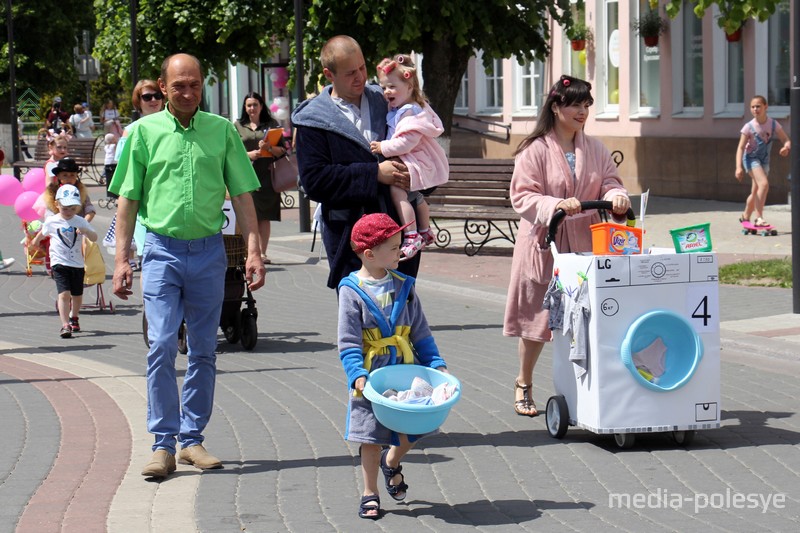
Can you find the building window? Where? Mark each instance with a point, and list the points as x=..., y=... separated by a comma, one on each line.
x=649, y=70
x=778, y=65
x=462, y=99
x=692, y=57
x=611, y=56
x=528, y=87
x=735, y=74
x=575, y=59
x=491, y=87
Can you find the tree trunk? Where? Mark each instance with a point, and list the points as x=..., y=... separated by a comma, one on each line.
x=443, y=65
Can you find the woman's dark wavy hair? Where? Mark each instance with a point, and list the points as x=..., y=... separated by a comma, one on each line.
x=565, y=92
x=263, y=118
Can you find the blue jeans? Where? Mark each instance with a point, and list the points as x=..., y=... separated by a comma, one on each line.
x=181, y=280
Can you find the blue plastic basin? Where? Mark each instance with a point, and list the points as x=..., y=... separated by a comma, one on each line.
x=684, y=348
x=409, y=419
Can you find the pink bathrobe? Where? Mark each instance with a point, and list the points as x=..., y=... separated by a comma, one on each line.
x=542, y=179
x=414, y=141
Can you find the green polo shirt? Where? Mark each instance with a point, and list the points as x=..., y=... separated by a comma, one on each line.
x=179, y=175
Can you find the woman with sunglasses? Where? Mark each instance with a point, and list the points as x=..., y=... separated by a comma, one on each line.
x=147, y=99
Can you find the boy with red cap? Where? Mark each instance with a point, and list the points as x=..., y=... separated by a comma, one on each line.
x=381, y=323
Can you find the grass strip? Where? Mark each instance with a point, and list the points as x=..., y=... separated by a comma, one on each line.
x=764, y=273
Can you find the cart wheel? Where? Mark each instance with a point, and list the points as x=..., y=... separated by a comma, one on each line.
x=625, y=440
x=233, y=327
x=684, y=438
x=557, y=416
x=183, y=344
x=249, y=330
x=144, y=330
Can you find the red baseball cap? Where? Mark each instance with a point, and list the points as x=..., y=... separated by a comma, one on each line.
x=373, y=229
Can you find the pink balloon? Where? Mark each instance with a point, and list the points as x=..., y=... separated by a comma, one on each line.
x=279, y=83
x=34, y=180
x=10, y=188
x=274, y=108
x=23, y=205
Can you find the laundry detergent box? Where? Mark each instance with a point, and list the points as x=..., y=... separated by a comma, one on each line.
x=692, y=239
x=615, y=239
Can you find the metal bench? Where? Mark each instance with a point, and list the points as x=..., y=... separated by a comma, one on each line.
x=478, y=193
x=82, y=150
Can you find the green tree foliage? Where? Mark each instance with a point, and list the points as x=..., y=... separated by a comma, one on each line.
x=733, y=13
x=45, y=33
x=213, y=30
x=446, y=32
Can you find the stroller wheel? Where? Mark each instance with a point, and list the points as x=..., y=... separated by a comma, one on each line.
x=183, y=343
x=232, y=325
x=249, y=330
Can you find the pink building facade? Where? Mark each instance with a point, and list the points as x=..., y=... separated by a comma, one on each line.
x=674, y=109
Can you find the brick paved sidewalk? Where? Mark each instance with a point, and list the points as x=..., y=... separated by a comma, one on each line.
x=279, y=420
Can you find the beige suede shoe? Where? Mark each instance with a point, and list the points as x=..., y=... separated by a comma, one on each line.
x=161, y=464
x=198, y=456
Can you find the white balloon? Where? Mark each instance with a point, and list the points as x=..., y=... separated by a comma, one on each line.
x=281, y=101
x=282, y=114
x=273, y=77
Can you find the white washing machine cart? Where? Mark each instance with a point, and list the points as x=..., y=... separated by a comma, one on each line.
x=653, y=348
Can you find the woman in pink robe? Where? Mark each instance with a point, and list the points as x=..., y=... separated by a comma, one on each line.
x=557, y=167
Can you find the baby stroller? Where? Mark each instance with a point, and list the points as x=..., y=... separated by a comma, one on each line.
x=238, y=325
x=35, y=255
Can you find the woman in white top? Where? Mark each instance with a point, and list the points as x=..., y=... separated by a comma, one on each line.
x=110, y=116
x=81, y=122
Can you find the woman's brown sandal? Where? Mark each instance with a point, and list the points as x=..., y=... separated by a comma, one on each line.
x=525, y=406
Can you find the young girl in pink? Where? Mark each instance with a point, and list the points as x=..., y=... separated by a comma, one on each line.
x=412, y=130
x=58, y=146
x=752, y=156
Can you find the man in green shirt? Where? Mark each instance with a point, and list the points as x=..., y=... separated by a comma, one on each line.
x=174, y=171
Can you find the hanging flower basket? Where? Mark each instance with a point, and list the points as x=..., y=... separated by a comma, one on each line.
x=578, y=44
x=651, y=40
x=734, y=37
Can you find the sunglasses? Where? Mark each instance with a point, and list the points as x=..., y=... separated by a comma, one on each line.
x=149, y=96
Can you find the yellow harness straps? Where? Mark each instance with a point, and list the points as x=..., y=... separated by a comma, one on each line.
x=375, y=345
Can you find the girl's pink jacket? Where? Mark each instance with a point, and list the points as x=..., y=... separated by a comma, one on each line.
x=414, y=141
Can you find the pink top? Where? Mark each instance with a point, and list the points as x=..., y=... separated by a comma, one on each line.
x=414, y=141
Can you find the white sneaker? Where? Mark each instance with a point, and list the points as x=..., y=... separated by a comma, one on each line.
x=6, y=263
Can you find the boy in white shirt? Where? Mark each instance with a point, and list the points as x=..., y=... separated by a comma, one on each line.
x=66, y=257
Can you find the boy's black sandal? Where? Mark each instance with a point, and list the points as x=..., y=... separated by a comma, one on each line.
x=388, y=474
x=364, y=509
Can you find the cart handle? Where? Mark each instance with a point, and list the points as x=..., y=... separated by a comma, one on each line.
x=585, y=206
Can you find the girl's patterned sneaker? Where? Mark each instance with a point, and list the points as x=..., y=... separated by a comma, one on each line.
x=428, y=237
x=412, y=244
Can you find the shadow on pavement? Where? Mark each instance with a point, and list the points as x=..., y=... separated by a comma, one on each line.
x=487, y=512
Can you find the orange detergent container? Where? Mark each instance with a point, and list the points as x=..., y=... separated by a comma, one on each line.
x=615, y=239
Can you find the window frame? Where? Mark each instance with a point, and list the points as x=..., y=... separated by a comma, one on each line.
x=677, y=49
x=481, y=104
x=537, y=71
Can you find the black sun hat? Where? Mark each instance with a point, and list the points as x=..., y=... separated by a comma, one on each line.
x=66, y=165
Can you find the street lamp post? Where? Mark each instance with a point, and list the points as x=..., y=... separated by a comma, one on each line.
x=303, y=204
x=794, y=101
x=12, y=81
x=134, y=6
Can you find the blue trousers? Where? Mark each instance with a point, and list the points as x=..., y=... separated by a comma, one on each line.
x=181, y=280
